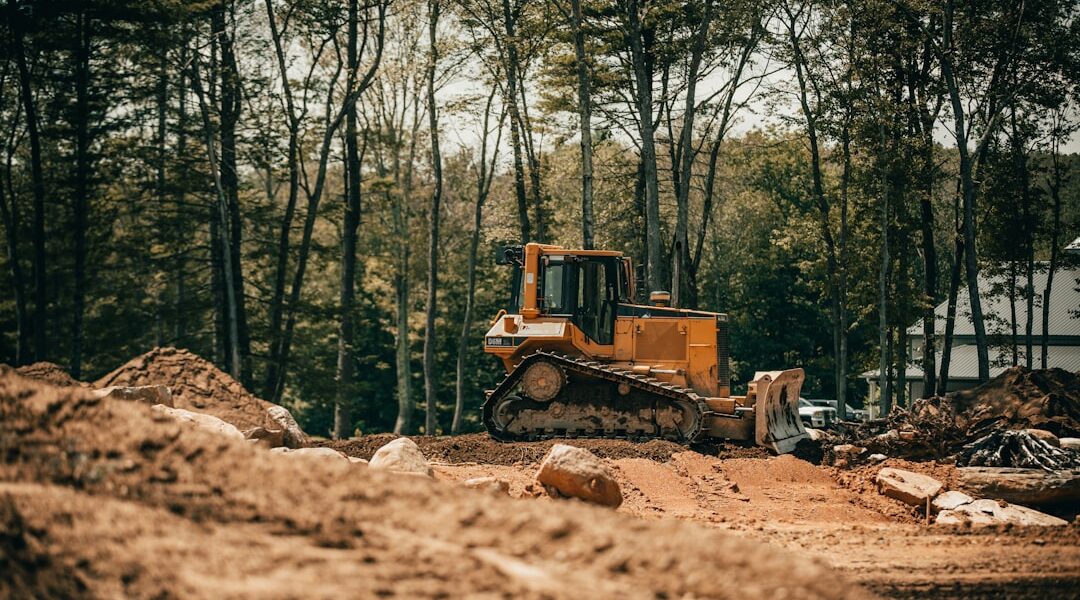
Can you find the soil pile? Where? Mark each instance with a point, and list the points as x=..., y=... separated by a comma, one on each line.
x=51, y=373
x=196, y=385
x=481, y=448
x=938, y=427
x=100, y=499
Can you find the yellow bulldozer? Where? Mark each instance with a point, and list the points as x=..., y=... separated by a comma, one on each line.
x=583, y=359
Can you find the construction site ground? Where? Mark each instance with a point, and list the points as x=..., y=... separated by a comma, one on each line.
x=786, y=501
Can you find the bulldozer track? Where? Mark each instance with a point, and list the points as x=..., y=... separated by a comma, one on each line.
x=662, y=395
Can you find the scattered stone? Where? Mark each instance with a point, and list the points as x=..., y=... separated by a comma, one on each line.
x=321, y=453
x=950, y=500
x=199, y=421
x=991, y=512
x=402, y=456
x=876, y=458
x=271, y=438
x=578, y=473
x=1045, y=436
x=294, y=437
x=147, y=394
x=1069, y=443
x=908, y=487
x=489, y=484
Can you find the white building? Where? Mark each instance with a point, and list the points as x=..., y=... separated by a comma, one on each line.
x=1063, y=348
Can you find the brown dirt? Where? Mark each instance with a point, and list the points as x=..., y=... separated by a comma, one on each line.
x=98, y=498
x=1019, y=398
x=50, y=373
x=196, y=385
x=481, y=448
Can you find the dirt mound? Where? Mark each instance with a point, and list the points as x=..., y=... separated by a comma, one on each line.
x=196, y=385
x=51, y=373
x=481, y=448
x=100, y=498
x=1020, y=398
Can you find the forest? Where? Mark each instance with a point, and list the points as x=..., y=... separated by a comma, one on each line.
x=309, y=193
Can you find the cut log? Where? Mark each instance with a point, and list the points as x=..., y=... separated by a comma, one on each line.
x=1029, y=487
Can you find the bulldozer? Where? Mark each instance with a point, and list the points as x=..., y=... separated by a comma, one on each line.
x=583, y=359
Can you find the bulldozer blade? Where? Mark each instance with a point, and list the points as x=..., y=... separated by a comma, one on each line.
x=777, y=424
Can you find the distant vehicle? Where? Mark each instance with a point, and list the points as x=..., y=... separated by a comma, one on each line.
x=853, y=414
x=818, y=417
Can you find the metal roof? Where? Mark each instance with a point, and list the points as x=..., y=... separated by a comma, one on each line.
x=964, y=363
x=994, y=294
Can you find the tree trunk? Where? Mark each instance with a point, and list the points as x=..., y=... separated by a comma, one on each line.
x=1055, y=239
x=222, y=218
x=82, y=187
x=277, y=298
x=585, y=126
x=343, y=424
x=971, y=262
x=229, y=112
x=431, y=383
x=10, y=217
x=643, y=81
x=41, y=348
x=515, y=121
x=681, y=256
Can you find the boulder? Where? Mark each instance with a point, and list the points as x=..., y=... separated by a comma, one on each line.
x=199, y=421
x=1030, y=487
x=993, y=512
x=578, y=473
x=1045, y=436
x=294, y=437
x=488, y=484
x=268, y=437
x=402, y=456
x=1069, y=443
x=147, y=394
x=908, y=487
x=950, y=500
x=320, y=453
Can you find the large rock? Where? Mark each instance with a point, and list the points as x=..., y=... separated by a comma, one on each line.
x=1030, y=487
x=908, y=487
x=294, y=437
x=950, y=500
x=320, y=453
x=577, y=473
x=147, y=394
x=402, y=456
x=993, y=512
x=199, y=421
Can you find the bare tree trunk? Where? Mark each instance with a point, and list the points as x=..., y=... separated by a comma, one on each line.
x=41, y=348
x=950, y=312
x=82, y=187
x=229, y=113
x=681, y=256
x=643, y=81
x=971, y=262
x=234, y=359
x=1055, y=236
x=343, y=424
x=430, y=382
x=585, y=125
x=277, y=298
x=11, y=221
